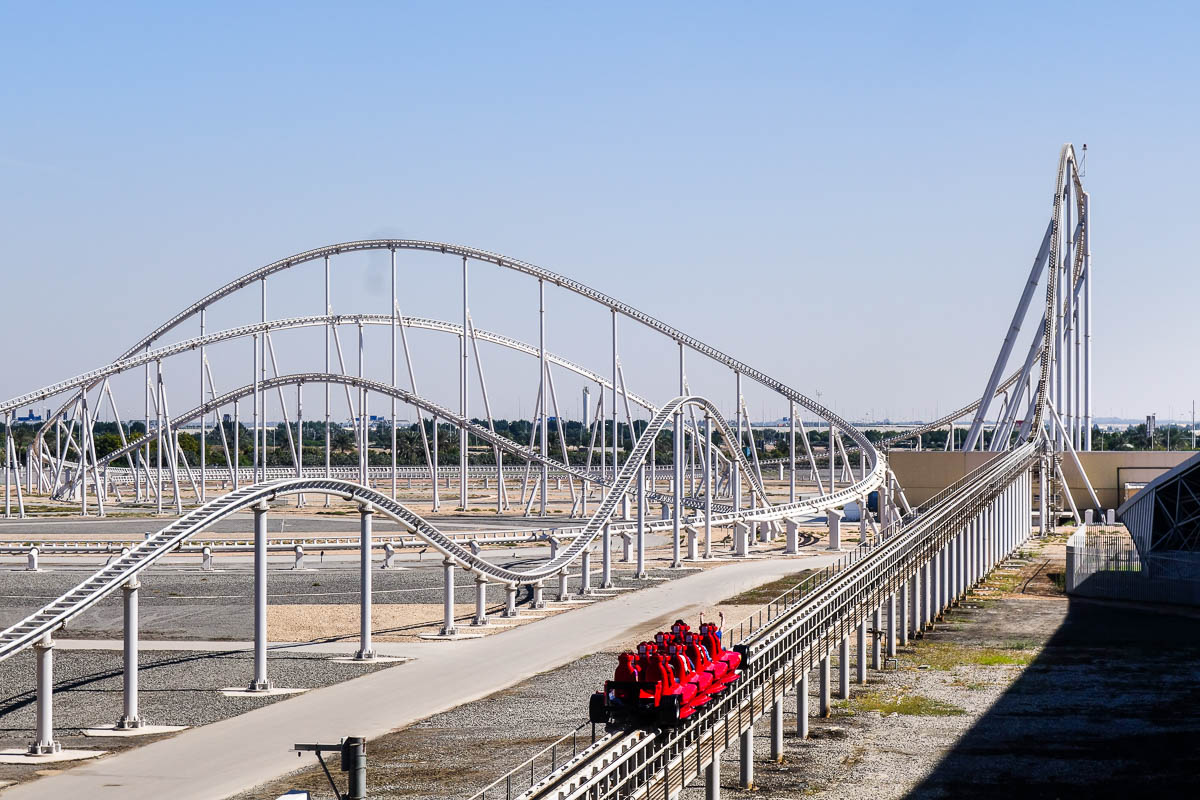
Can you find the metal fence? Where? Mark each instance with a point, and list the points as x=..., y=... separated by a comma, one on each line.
x=1103, y=562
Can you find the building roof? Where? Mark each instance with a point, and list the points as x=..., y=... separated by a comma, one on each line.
x=1165, y=515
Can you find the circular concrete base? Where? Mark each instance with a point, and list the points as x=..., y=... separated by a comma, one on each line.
x=145, y=730
x=15, y=755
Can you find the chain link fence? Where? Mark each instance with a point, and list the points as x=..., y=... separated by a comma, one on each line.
x=1103, y=562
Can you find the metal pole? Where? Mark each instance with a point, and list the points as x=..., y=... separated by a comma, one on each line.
x=677, y=469
x=448, y=628
x=641, y=521
x=203, y=448
x=365, y=651
x=260, y=682
x=392, y=312
x=708, y=484
x=130, y=718
x=791, y=451
x=328, y=332
x=44, y=742
x=1087, y=326
x=545, y=479
x=463, y=440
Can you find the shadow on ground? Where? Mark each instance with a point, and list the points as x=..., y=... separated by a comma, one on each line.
x=1109, y=708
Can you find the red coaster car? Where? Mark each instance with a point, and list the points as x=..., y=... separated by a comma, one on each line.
x=667, y=680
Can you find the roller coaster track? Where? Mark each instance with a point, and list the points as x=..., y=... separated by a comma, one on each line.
x=871, y=480
x=629, y=764
x=110, y=578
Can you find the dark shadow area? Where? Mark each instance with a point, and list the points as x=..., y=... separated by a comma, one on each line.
x=1109, y=708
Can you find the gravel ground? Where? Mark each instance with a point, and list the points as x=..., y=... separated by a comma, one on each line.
x=177, y=688
x=179, y=604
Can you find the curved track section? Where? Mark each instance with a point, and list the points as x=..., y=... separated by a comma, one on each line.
x=877, y=466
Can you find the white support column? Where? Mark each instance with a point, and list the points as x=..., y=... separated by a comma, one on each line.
x=746, y=779
x=44, y=742
x=129, y=717
x=448, y=628
x=905, y=604
x=712, y=778
x=641, y=522
x=926, y=597
x=510, y=600
x=876, y=638
x=860, y=663
x=606, y=581
x=844, y=668
x=709, y=485
x=824, y=706
x=585, y=572
x=480, y=601
x=365, y=650
x=891, y=625
x=260, y=682
x=834, y=518
x=543, y=419
x=777, y=730
x=802, y=705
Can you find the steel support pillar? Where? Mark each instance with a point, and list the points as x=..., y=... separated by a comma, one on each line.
x=510, y=600
x=448, y=628
x=480, y=601
x=129, y=716
x=802, y=705
x=905, y=604
x=260, y=682
x=777, y=730
x=641, y=522
x=365, y=651
x=861, y=648
x=876, y=638
x=891, y=625
x=746, y=779
x=585, y=571
x=823, y=705
x=606, y=581
x=712, y=779
x=844, y=668
x=44, y=742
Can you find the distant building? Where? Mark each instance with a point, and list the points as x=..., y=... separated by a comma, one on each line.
x=31, y=418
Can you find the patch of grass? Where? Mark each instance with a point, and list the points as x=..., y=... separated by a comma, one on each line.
x=913, y=705
x=767, y=592
x=1059, y=579
x=947, y=656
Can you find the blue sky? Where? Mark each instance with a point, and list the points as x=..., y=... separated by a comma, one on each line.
x=845, y=196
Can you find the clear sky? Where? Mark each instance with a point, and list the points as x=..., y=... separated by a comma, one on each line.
x=847, y=196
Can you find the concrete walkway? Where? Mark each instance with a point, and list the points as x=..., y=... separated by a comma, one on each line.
x=239, y=753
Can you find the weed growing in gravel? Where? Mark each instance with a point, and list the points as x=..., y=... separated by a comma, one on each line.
x=946, y=656
x=767, y=592
x=914, y=705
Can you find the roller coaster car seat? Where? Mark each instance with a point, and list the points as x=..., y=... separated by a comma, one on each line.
x=626, y=668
